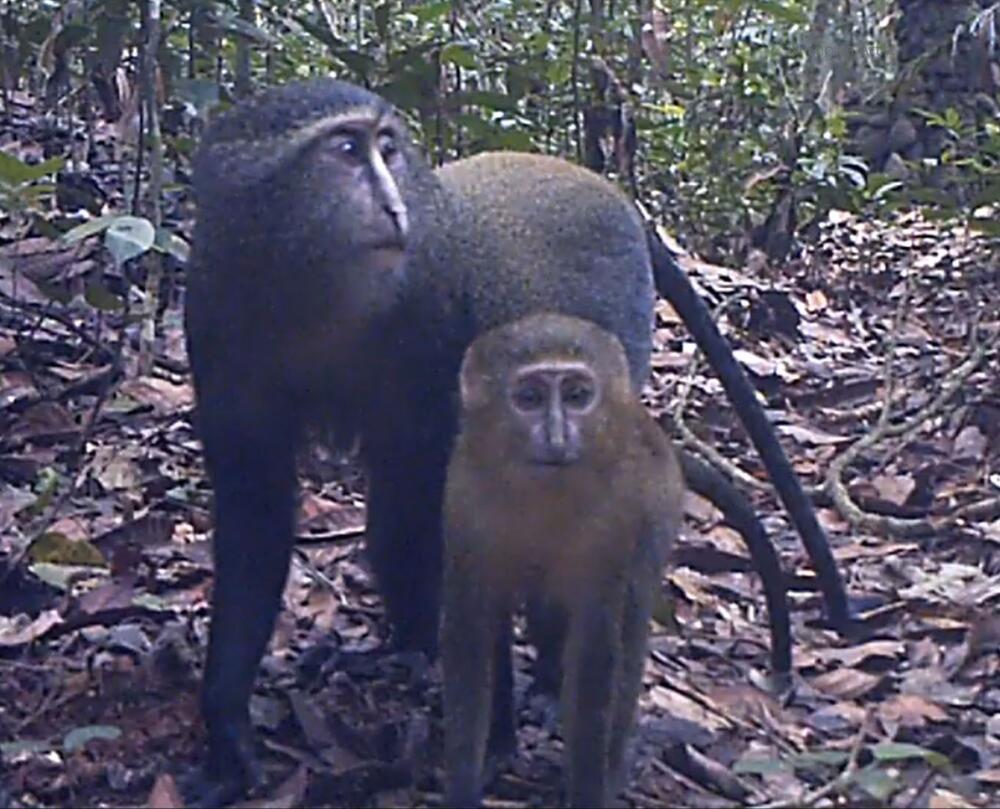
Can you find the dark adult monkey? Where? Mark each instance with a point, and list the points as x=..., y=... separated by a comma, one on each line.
x=294, y=319
x=561, y=487
x=303, y=313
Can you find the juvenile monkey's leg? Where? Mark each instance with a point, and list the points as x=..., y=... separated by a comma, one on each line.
x=251, y=461
x=503, y=728
x=635, y=636
x=469, y=634
x=405, y=490
x=547, y=624
x=592, y=666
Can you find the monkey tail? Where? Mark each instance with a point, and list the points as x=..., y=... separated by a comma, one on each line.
x=674, y=285
x=710, y=483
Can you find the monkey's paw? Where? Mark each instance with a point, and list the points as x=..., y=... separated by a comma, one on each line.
x=225, y=777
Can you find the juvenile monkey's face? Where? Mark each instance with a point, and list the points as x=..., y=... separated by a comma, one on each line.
x=552, y=405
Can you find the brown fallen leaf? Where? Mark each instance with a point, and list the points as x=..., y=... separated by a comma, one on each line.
x=846, y=683
x=165, y=794
x=945, y=799
x=853, y=656
x=911, y=711
x=18, y=630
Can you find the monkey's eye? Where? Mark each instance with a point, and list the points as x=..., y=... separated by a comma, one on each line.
x=528, y=396
x=387, y=145
x=347, y=145
x=577, y=393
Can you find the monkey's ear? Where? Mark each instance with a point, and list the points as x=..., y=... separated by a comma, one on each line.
x=472, y=382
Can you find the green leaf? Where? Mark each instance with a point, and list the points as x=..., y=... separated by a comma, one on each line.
x=755, y=765
x=168, y=242
x=430, y=11
x=877, y=783
x=78, y=737
x=991, y=227
x=381, y=15
x=54, y=547
x=81, y=232
x=9, y=751
x=102, y=298
x=15, y=172
x=128, y=237
x=60, y=577
x=897, y=751
x=456, y=54
x=784, y=12
x=201, y=94
x=823, y=758
x=988, y=195
x=482, y=98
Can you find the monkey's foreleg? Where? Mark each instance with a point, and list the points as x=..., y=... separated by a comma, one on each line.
x=469, y=632
x=591, y=668
x=645, y=579
x=252, y=467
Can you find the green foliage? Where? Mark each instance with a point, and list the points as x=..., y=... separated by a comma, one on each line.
x=720, y=91
x=21, y=191
x=880, y=777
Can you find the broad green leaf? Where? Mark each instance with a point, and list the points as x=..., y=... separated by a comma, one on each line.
x=60, y=576
x=169, y=242
x=430, y=11
x=78, y=737
x=56, y=548
x=877, y=783
x=897, y=751
x=825, y=758
x=786, y=12
x=10, y=751
x=755, y=765
x=991, y=227
x=15, y=172
x=989, y=195
x=81, y=232
x=128, y=237
x=381, y=15
x=456, y=54
x=102, y=298
x=201, y=94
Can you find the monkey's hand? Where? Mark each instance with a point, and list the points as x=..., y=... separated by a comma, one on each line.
x=229, y=773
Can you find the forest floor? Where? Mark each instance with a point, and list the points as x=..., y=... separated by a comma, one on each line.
x=103, y=619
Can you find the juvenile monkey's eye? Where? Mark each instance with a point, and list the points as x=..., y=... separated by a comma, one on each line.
x=577, y=393
x=528, y=396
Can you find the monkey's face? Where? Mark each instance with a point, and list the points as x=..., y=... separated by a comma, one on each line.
x=354, y=175
x=551, y=405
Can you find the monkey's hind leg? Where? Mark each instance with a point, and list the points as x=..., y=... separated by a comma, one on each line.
x=592, y=666
x=503, y=728
x=547, y=625
x=403, y=539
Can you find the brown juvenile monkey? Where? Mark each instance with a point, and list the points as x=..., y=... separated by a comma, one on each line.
x=563, y=490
